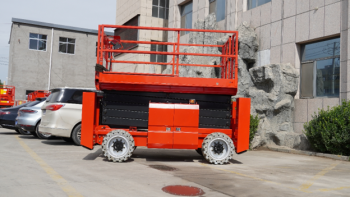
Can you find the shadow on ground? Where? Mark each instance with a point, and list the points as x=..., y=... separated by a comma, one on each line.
x=57, y=142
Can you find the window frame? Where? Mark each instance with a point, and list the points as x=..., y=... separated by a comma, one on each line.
x=38, y=40
x=67, y=43
x=214, y=3
x=314, y=74
x=165, y=49
x=185, y=15
x=249, y=7
x=166, y=9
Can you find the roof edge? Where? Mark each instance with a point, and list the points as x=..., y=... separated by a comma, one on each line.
x=56, y=26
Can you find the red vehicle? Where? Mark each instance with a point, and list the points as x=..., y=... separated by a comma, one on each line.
x=38, y=94
x=7, y=96
x=165, y=110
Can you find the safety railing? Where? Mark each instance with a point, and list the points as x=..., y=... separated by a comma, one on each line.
x=109, y=45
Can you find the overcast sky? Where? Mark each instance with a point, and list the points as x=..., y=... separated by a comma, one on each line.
x=77, y=13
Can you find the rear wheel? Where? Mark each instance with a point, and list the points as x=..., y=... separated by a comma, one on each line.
x=39, y=134
x=76, y=135
x=218, y=148
x=118, y=145
x=23, y=132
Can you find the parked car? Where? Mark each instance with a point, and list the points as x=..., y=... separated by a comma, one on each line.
x=61, y=113
x=8, y=117
x=28, y=119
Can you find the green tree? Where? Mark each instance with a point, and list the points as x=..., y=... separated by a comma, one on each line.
x=1, y=82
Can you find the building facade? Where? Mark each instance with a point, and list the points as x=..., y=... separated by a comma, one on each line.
x=312, y=35
x=44, y=56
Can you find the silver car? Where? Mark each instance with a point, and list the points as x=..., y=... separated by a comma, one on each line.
x=29, y=119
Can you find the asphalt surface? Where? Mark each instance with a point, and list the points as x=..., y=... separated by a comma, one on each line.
x=33, y=167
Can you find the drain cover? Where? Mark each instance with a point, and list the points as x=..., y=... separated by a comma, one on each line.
x=163, y=168
x=183, y=190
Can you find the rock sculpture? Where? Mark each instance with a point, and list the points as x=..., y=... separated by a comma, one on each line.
x=271, y=87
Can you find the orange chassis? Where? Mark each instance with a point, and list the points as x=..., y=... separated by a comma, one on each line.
x=38, y=94
x=7, y=96
x=170, y=125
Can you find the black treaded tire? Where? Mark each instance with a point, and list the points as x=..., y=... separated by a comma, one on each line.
x=228, y=149
x=39, y=134
x=76, y=135
x=127, y=149
x=199, y=151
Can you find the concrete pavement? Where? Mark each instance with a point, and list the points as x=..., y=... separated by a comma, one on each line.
x=33, y=167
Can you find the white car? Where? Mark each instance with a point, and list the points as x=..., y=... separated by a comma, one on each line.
x=61, y=113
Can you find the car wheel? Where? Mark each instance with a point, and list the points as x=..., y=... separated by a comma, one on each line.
x=39, y=134
x=23, y=132
x=76, y=135
x=17, y=130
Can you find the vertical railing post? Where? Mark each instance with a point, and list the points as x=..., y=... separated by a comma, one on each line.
x=229, y=59
x=236, y=65
x=178, y=51
x=173, y=73
x=98, y=45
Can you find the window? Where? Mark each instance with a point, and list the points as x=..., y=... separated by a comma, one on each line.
x=255, y=3
x=186, y=17
x=160, y=8
x=96, y=48
x=320, y=69
x=158, y=58
x=217, y=7
x=67, y=45
x=37, y=42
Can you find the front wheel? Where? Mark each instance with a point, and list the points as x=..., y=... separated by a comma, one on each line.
x=118, y=145
x=218, y=148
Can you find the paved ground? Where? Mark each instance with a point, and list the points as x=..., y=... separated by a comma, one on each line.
x=33, y=167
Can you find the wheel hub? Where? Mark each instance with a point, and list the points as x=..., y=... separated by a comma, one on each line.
x=218, y=148
x=118, y=145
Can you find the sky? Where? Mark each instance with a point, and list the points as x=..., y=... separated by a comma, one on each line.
x=78, y=13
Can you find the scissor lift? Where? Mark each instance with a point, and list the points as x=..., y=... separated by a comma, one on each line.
x=165, y=110
x=38, y=94
x=7, y=96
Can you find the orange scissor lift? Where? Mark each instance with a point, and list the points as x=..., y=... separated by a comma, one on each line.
x=38, y=94
x=165, y=110
x=7, y=96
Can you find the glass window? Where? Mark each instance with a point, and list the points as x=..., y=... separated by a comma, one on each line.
x=186, y=17
x=255, y=3
x=160, y=8
x=66, y=45
x=217, y=7
x=320, y=69
x=37, y=42
x=158, y=58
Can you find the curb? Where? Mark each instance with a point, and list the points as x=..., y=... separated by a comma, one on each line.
x=310, y=153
